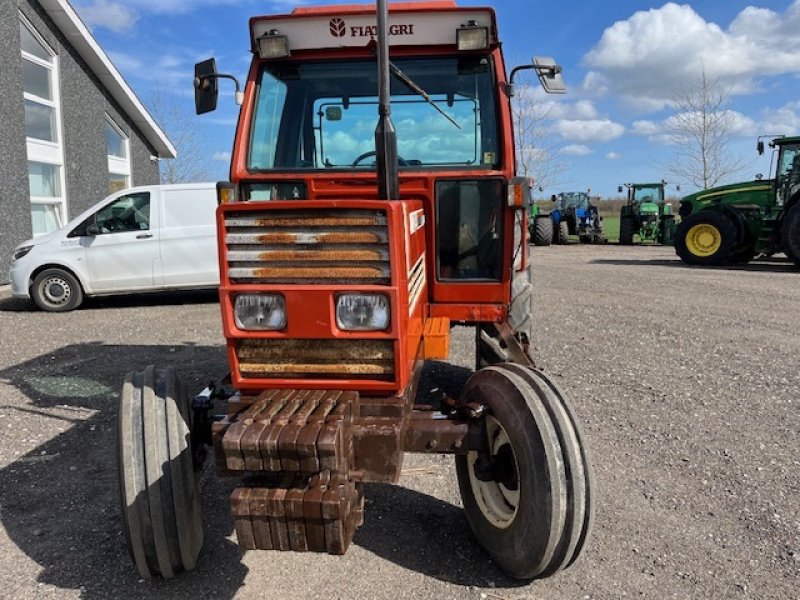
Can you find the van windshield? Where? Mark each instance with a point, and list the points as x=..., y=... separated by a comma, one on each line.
x=322, y=115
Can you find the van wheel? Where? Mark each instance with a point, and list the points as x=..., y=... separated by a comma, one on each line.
x=56, y=290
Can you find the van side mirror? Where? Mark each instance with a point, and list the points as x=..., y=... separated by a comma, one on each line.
x=92, y=229
x=206, y=89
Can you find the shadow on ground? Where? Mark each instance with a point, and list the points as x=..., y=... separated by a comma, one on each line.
x=60, y=501
x=211, y=296
x=768, y=265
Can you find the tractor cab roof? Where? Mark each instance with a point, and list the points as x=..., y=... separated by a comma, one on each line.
x=783, y=141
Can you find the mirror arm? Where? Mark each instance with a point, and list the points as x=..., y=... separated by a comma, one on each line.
x=201, y=83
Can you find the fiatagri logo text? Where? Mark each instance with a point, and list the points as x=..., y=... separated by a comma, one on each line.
x=340, y=29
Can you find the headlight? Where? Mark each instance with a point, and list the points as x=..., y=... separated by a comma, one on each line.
x=362, y=312
x=20, y=252
x=260, y=311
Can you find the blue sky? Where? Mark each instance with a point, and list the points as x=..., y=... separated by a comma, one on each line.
x=623, y=63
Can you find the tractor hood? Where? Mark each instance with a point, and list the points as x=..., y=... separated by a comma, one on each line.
x=746, y=192
x=648, y=208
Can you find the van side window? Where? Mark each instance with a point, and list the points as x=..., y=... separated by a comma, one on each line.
x=126, y=213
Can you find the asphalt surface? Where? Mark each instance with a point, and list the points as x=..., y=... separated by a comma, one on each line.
x=685, y=380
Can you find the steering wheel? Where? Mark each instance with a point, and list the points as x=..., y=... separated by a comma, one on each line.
x=400, y=159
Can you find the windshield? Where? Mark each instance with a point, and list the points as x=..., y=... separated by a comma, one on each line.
x=649, y=193
x=789, y=160
x=322, y=115
x=572, y=199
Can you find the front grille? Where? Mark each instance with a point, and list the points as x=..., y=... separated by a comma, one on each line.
x=308, y=246
x=315, y=359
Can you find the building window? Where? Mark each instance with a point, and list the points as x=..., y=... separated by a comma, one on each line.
x=42, y=131
x=119, y=164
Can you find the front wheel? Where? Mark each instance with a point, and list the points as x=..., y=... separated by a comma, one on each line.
x=528, y=495
x=56, y=290
x=562, y=234
x=790, y=234
x=542, y=231
x=627, y=228
x=158, y=489
x=706, y=238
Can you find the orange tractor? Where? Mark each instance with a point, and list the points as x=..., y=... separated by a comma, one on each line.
x=346, y=252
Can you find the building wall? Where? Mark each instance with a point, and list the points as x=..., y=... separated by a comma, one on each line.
x=84, y=105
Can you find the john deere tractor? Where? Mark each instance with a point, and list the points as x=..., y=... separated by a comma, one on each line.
x=540, y=226
x=574, y=214
x=646, y=214
x=735, y=223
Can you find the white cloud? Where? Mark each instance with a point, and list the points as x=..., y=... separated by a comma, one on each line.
x=589, y=130
x=577, y=150
x=613, y=155
x=221, y=156
x=109, y=15
x=646, y=127
x=647, y=57
x=784, y=120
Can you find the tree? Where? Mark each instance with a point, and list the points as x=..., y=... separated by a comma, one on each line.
x=538, y=155
x=701, y=130
x=178, y=122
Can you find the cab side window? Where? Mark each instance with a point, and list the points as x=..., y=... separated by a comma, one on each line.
x=469, y=229
x=126, y=213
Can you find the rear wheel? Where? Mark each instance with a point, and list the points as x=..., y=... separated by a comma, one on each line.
x=706, y=238
x=56, y=290
x=542, y=231
x=158, y=489
x=527, y=497
x=562, y=233
x=790, y=234
x=627, y=227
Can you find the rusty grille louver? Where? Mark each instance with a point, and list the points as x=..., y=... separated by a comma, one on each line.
x=308, y=246
x=315, y=359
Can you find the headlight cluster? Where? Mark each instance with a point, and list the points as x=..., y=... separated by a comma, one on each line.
x=22, y=251
x=362, y=312
x=354, y=312
x=265, y=312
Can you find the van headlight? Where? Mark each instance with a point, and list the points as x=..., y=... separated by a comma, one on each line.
x=22, y=251
x=362, y=312
x=260, y=312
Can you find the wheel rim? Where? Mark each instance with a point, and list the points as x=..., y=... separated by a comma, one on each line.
x=703, y=240
x=56, y=290
x=497, y=500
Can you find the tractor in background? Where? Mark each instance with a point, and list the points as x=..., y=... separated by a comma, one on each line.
x=575, y=214
x=646, y=214
x=735, y=223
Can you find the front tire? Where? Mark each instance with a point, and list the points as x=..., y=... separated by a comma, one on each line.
x=627, y=228
x=562, y=234
x=533, y=516
x=790, y=234
x=56, y=290
x=706, y=238
x=542, y=231
x=158, y=489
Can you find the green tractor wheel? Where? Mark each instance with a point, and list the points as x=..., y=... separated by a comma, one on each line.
x=542, y=230
x=627, y=228
x=790, y=234
x=706, y=238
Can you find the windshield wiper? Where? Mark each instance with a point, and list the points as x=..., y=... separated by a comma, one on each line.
x=419, y=91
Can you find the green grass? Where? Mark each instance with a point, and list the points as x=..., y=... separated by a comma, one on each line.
x=611, y=226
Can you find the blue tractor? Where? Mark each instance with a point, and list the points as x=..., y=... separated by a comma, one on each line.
x=574, y=214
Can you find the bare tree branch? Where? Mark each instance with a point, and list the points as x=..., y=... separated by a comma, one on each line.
x=701, y=130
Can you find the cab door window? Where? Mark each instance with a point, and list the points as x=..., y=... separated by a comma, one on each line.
x=127, y=213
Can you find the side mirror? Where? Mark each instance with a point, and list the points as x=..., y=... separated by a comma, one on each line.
x=678, y=187
x=549, y=74
x=553, y=198
x=619, y=189
x=760, y=147
x=92, y=229
x=206, y=89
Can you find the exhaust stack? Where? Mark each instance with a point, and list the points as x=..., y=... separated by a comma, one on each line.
x=385, y=133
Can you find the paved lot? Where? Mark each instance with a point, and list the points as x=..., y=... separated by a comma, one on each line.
x=686, y=381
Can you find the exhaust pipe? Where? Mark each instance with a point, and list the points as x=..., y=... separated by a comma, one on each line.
x=385, y=133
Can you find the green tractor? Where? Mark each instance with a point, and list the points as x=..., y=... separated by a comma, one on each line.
x=540, y=226
x=735, y=223
x=646, y=214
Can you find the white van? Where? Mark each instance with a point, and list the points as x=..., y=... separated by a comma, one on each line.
x=150, y=238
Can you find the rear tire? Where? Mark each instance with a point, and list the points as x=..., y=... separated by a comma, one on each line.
x=158, y=488
x=542, y=231
x=562, y=234
x=534, y=516
x=707, y=238
x=627, y=228
x=790, y=234
x=56, y=290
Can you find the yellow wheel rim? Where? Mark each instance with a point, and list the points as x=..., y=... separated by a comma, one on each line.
x=703, y=240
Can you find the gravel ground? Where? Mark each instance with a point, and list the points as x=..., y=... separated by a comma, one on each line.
x=685, y=379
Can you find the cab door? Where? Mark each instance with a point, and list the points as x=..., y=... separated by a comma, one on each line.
x=122, y=252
